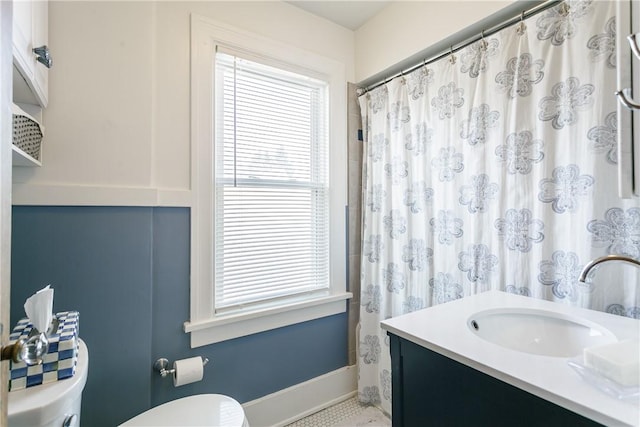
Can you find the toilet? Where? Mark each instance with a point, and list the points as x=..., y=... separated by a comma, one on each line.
x=53, y=404
x=214, y=410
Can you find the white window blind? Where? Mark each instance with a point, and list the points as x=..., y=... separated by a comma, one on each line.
x=271, y=183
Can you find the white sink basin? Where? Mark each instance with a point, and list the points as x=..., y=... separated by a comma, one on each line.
x=538, y=332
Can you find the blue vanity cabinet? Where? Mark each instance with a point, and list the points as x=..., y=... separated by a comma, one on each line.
x=430, y=389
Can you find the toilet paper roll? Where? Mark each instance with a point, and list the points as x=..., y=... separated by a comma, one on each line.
x=187, y=371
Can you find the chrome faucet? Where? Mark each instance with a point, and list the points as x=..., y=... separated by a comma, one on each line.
x=596, y=262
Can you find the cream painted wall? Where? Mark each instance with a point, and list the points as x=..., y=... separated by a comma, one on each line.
x=98, y=125
x=117, y=127
x=276, y=20
x=405, y=28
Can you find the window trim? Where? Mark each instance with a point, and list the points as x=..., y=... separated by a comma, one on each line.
x=204, y=326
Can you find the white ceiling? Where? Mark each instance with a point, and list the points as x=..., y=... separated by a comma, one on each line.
x=348, y=13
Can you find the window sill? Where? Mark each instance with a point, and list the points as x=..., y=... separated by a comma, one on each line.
x=226, y=327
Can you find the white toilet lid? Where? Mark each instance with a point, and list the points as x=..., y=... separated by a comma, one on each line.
x=197, y=410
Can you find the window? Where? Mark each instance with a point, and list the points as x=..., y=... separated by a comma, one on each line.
x=269, y=185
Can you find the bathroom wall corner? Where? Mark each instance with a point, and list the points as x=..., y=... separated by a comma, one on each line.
x=354, y=125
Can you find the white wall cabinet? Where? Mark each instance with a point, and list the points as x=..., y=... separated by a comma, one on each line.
x=30, y=31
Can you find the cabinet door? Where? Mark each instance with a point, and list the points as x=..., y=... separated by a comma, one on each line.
x=628, y=70
x=5, y=198
x=41, y=38
x=30, y=30
x=430, y=389
x=22, y=36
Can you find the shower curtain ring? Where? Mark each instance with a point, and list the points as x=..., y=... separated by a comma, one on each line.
x=452, y=58
x=424, y=70
x=483, y=42
x=521, y=26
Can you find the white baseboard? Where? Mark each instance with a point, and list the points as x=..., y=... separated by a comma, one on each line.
x=298, y=401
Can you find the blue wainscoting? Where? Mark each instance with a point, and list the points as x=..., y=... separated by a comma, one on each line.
x=126, y=270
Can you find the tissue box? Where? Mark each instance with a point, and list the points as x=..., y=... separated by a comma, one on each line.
x=61, y=358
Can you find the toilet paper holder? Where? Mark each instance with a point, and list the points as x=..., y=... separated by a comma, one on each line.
x=162, y=364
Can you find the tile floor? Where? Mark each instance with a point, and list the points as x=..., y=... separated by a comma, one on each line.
x=332, y=415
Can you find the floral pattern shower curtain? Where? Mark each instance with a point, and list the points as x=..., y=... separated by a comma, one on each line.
x=495, y=168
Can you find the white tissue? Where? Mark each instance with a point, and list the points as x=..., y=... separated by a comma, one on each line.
x=39, y=308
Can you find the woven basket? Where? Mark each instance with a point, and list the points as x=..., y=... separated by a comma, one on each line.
x=27, y=133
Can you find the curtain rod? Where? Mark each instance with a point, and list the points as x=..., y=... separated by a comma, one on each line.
x=467, y=41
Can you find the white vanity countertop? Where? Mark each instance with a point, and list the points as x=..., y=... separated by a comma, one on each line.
x=443, y=329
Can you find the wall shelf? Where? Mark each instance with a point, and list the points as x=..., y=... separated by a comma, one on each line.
x=20, y=158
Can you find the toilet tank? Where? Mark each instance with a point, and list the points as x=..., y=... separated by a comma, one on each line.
x=52, y=404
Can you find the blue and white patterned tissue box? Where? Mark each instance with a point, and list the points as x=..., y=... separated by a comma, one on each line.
x=61, y=358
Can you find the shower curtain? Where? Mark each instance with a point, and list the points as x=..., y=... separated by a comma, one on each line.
x=495, y=168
